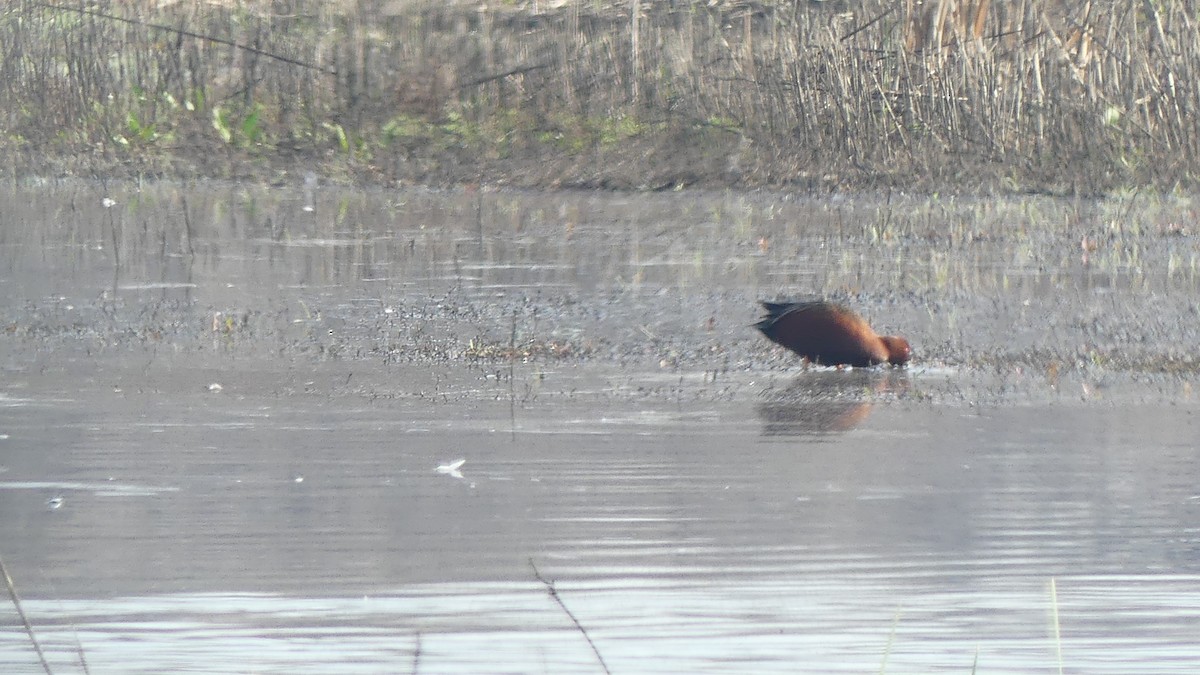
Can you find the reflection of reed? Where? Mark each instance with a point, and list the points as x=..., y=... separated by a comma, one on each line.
x=827, y=401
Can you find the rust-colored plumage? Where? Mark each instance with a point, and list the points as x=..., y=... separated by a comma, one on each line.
x=830, y=334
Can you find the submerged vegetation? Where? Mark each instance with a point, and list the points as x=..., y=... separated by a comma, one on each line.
x=1043, y=95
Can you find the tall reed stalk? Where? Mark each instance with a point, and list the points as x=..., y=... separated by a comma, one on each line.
x=1033, y=94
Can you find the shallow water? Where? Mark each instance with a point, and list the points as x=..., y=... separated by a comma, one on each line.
x=699, y=502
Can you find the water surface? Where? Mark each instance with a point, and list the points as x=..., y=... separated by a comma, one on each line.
x=227, y=427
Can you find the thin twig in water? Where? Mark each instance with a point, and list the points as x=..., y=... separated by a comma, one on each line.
x=1057, y=626
x=416, y=666
x=554, y=594
x=512, y=375
x=79, y=649
x=887, y=649
x=74, y=633
x=12, y=593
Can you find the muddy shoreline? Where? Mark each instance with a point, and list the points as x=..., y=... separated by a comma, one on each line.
x=654, y=294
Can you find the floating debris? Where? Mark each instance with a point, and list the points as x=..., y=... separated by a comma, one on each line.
x=452, y=469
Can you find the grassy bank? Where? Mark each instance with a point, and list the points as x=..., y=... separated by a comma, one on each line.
x=1037, y=95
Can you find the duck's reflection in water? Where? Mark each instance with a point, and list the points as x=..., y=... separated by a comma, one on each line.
x=827, y=401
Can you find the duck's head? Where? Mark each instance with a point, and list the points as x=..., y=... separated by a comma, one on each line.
x=898, y=350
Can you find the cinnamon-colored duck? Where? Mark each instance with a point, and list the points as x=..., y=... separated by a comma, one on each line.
x=830, y=334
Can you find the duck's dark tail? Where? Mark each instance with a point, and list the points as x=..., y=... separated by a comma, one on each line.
x=774, y=311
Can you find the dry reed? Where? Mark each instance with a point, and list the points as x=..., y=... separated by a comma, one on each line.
x=1042, y=95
